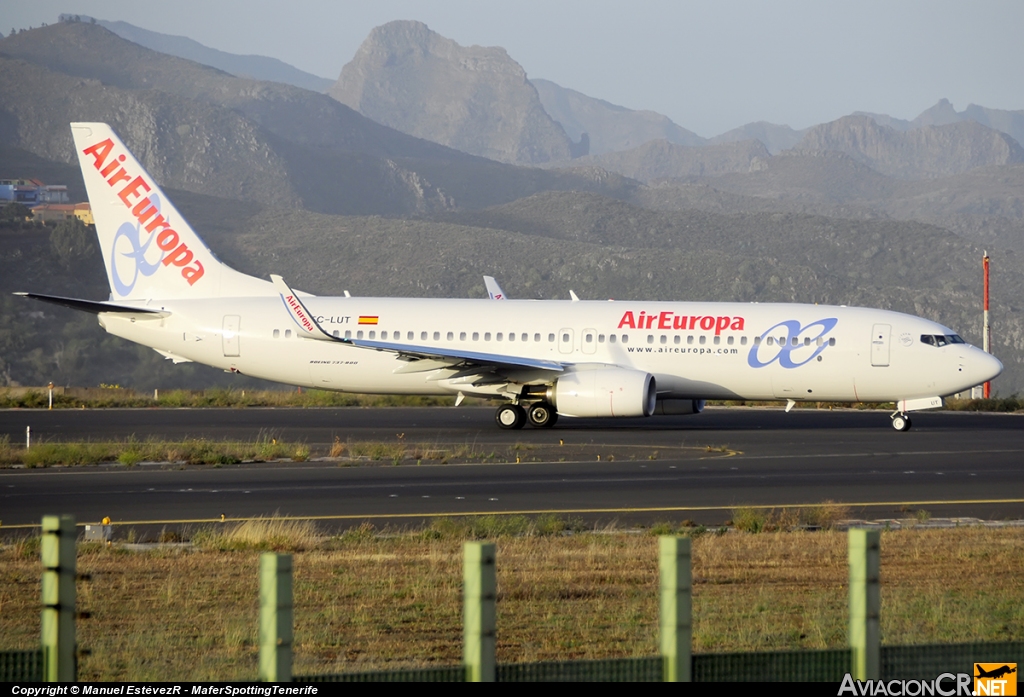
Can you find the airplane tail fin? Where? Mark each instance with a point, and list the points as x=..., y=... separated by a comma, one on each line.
x=149, y=250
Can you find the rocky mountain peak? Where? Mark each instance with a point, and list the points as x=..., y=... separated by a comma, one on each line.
x=475, y=99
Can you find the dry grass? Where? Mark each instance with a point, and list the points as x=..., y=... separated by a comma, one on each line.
x=365, y=600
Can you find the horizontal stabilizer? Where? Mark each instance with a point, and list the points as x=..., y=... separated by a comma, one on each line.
x=97, y=307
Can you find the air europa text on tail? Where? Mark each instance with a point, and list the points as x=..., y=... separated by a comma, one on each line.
x=168, y=240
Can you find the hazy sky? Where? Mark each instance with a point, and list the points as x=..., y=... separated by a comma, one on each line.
x=710, y=66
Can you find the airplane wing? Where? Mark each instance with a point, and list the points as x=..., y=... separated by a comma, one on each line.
x=493, y=289
x=96, y=307
x=437, y=356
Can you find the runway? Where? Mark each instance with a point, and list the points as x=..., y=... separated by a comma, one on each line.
x=665, y=469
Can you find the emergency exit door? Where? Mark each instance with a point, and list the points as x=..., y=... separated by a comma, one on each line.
x=232, y=323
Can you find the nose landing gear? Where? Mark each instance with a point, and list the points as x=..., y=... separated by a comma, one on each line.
x=900, y=421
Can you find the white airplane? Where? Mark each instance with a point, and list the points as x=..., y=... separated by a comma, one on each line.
x=541, y=359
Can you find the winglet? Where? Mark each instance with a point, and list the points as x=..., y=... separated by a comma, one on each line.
x=575, y=298
x=302, y=317
x=493, y=289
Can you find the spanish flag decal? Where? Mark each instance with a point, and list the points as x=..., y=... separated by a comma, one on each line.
x=368, y=319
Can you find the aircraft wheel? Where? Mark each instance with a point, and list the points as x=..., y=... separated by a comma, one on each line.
x=901, y=422
x=542, y=415
x=510, y=416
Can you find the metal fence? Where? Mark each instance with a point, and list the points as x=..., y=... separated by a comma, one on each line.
x=914, y=662
x=21, y=666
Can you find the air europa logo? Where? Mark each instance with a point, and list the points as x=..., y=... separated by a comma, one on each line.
x=790, y=344
x=147, y=212
x=670, y=320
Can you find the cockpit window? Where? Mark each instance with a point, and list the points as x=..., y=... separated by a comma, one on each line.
x=941, y=339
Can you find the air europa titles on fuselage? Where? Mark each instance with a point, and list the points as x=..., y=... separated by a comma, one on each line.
x=670, y=320
x=175, y=251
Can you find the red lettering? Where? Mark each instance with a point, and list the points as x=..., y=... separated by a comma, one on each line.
x=120, y=176
x=627, y=321
x=679, y=322
x=665, y=320
x=693, y=322
x=720, y=324
x=181, y=255
x=158, y=221
x=737, y=324
x=707, y=323
x=167, y=240
x=142, y=213
x=99, y=152
x=193, y=274
x=131, y=190
x=650, y=320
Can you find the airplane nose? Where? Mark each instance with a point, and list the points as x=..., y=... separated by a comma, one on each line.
x=983, y=366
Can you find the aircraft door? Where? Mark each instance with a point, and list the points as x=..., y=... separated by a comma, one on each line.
x=589, y=343
x=880, y=344
x=565, y=340
x=232, y=323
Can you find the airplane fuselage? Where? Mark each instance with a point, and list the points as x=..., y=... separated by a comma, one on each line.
x=694, y=350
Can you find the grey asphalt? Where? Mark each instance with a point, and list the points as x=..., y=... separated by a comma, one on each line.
x=950, y=464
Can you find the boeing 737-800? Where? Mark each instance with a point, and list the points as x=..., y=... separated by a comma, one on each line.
x=540, y=359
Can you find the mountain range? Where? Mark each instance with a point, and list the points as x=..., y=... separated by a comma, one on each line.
x=283, y=179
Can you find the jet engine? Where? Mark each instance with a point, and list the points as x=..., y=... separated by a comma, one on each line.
x=679, y=407
x=605, y=392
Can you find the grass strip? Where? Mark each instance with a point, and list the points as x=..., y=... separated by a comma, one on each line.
x=381, y=599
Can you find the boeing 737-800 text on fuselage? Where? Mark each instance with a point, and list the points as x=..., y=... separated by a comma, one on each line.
x=541, y=359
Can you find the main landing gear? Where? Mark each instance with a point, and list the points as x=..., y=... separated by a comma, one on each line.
x=900, y=421
x=513, y=416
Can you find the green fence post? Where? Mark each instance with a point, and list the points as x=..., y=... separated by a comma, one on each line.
x=865, y=604
x=479, y=592
x=57, y=549
x=676, y=617
x=275, y=617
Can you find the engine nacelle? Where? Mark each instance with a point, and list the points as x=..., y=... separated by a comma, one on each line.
x=606, y=392
x=679, y=407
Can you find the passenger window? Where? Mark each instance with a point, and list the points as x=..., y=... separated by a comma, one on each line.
x=611, y=338
x=664, y=339
x=689, y=339
x=348, y=333
x=757, y=341
x=717, y=340
x=819, y=342
x=383, y=335
x=600, y=338
x=476, y=336
x=487, y=336
x=625, y=338
x=359, y=334
x=423, y=336
x=807, y=341
x=511, y=336
x=703, y=340
x=525, y=337
x=373, y=334
x=462, y=336
x=437, y=336
x=410, y=336
x=796, y=341
x=277, y=333
x=565, y=338
x=497, y=337
x=832, y=341
x=730, y=340
x=677, y=339
x=771, y=341
x=589, y=338
x=336, y=333
x=536, y=337
x=743, y=341
x=287, y=333
x=551, y=338
x=451, y=336
x=650, y=338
